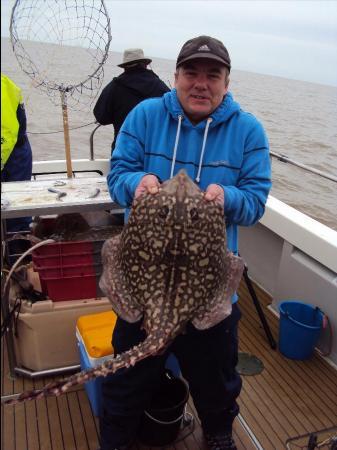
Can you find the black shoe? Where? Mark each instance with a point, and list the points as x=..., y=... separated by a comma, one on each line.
x=220, y=441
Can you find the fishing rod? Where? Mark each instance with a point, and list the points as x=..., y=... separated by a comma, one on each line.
x=285, y=159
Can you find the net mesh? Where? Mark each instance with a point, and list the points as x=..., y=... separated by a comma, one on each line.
x=41, y=29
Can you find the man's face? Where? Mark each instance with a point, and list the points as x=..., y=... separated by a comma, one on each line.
x=201, y=85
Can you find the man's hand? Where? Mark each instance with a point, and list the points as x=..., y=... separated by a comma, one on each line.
x=148, y=184
x=215, y=192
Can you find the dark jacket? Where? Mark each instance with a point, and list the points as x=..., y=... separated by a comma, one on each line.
x=123, y=93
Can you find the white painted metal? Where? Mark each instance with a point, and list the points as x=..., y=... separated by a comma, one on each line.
x=309, y=235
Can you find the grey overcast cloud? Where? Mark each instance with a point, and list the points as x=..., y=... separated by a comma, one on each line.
x=292, y=39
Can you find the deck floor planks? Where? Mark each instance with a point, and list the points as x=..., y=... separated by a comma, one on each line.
x=7, y=414
x=276, y=386
x=307, y=388
x=32, y=430
x=242, y=439
x=256, y=422
x=77, y=422
x=313, y=369
x=42, y=418
x=287, y=399
x=20, y=426
x=273, y=420
x=8, y=432
x=54, y=423
x=290, y=380
x=89, y=422
x=275, y=403
x=66, y=422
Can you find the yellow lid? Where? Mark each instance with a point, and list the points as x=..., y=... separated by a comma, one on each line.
x=96, y=332
x=97, y=320
x=98, y=342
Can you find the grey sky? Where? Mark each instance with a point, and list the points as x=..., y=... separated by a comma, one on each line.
x=293, y=39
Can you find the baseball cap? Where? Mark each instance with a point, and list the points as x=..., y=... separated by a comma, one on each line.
x=204, y=47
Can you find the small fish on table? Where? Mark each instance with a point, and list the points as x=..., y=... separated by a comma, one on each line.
x=94, y=193
x=59, y=195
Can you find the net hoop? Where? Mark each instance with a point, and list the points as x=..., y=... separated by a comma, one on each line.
x=29, y=67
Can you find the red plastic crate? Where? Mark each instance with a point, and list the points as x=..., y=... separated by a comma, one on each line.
x=64, y=248
x=68, y=253
x=60, y=271
x=64, y=260
x=69, y=270
x=73, y=288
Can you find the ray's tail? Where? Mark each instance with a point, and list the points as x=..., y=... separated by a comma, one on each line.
x=152, y=345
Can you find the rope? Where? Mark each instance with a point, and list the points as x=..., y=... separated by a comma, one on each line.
x=61, y=131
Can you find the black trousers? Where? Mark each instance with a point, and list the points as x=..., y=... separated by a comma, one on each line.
x=207, y=360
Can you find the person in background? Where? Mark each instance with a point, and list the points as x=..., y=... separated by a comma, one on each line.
x=200, y=128
x=124, y=92
x=16, y=152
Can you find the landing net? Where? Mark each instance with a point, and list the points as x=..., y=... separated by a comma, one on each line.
x=39, y=32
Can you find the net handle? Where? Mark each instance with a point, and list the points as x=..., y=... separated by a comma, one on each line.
x=66, y=133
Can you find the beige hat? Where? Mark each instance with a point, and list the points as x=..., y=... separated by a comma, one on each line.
x=132, y=55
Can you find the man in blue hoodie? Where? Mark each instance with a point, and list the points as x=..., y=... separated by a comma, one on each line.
x=199, y=127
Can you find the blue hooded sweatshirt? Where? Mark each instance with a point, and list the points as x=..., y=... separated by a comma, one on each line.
x=228, y=148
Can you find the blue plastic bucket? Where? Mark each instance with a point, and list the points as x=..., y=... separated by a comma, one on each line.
x=300, y=328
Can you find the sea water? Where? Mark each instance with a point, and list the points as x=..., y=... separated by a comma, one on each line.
x=299, y=117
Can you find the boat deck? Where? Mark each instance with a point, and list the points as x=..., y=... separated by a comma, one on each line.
x=287, y=399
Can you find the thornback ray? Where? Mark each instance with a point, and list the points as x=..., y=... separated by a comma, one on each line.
x=170, y=265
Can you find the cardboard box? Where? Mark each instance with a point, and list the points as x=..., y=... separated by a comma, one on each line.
x=46, y=332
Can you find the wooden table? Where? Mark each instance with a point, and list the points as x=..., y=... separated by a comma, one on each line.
x=31, y=198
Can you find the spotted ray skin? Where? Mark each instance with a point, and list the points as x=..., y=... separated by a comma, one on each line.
x=170, y=265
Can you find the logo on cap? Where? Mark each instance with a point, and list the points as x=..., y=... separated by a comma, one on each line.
x=204, y=48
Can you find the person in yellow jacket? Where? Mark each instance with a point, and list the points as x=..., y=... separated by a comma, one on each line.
x=16, y=152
